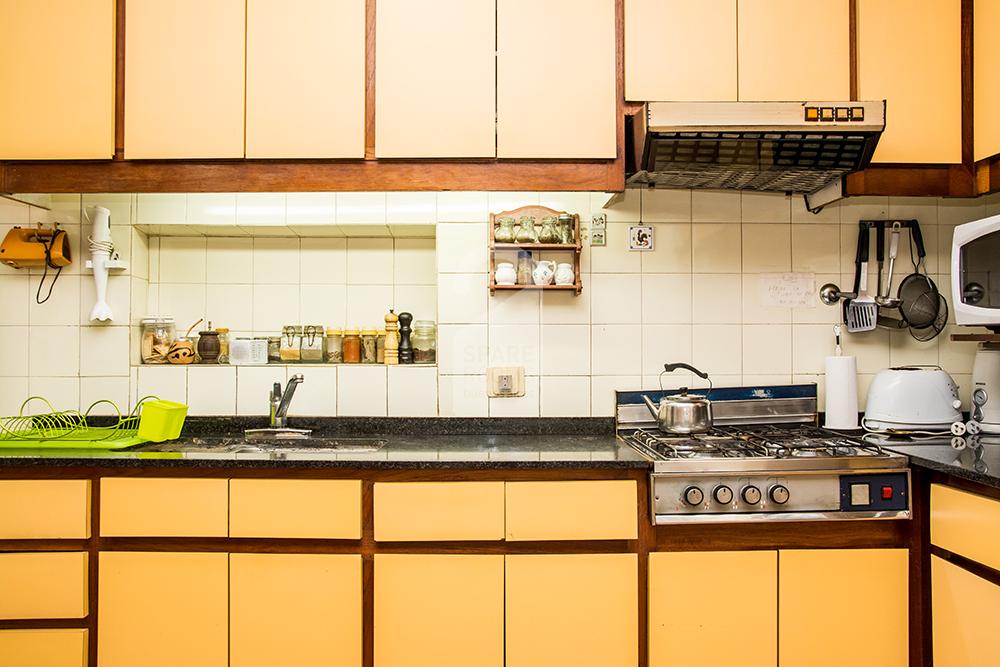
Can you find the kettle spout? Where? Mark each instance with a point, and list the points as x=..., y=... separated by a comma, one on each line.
x=653, y=409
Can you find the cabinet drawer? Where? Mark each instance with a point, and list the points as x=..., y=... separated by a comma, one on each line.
x=142, y=507
x=65, y=647
x=44, y=509
x=966, y=524
x=313, y=508
x=43, y=585
x=599, y=510
x=414, y=511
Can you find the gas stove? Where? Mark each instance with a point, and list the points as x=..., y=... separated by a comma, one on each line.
x=764, y=460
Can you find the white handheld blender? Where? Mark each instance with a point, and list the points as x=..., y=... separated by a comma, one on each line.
x=103, y=258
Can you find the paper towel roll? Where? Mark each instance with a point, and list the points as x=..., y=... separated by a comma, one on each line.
x=841, y=393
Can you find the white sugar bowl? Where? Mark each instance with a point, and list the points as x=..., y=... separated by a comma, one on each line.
x=505, y=274
x=565, y=274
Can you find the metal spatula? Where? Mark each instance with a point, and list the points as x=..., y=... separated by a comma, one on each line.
x=862, y=312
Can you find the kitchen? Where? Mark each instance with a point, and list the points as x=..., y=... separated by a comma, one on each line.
x=314, y=178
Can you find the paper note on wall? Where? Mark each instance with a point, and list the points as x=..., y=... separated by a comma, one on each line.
x=788, y=290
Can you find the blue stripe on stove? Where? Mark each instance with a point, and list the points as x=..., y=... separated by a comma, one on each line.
x=726, y=393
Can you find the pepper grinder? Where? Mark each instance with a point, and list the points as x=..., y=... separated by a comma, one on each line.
x=391, y=339
x=405, y=347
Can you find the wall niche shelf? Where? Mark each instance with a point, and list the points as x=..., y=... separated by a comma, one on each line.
x=537, y=212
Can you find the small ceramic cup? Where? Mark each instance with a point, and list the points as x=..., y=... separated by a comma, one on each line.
x=565, y=274
x=505, y=274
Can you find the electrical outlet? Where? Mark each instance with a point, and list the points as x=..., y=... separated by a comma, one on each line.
x=505, y=382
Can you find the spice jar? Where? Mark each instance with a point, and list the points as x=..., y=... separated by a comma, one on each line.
x=505, y=230
x=526, y=230
x=334, y=346
x=524, y=268
x=223, y=344
x=548, y=233
x=380, y=347
x=311, y=349
x=424, y=340
x=352, y=346
x=567, y=228
x=369, y=341
x=274, y=349
x=158, y=334
x=291, y=344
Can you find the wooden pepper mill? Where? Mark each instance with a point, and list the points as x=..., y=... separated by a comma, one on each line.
x=391, y=339
x=405, y=347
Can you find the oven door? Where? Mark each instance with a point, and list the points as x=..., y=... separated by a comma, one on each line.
x=975, y=272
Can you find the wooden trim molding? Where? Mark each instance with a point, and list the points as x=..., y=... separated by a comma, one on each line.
x=934, y=180
x=852, y=23
x=120, y=79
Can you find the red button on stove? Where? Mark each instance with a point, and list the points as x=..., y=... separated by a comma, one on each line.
x=886, y=493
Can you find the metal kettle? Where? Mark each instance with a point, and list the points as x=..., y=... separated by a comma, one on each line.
x=682, y=413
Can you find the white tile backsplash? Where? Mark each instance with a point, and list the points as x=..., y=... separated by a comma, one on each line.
x=211, y=390
x=361, y=391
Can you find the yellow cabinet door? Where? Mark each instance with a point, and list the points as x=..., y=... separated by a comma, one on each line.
x=164, y=507
x=44, y=509
x=833, y=588
x=439, y=611
x=964, y=612
x=305, y=79
x=572, y=510
x=686, y=625
x=294, y=609
x=986, y=73
x=415, y=511
x=912, y=59
x=579, y=610
x=680, y=50
x=781, y=59
x=43, y=585
x=57, y=74
x=163, y=609
x=966, y=524
x=184, y=78
x=64, y=647
x=295, y=508
x=556, y=74
x=435, y=78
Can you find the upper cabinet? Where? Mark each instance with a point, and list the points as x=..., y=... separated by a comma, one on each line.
x=184, y=79
x=912, y=59
x=435, y=78
x=556, y=79
x=986, y=72
x=57, y=74
x=663, y=38
x=305, y=79
x=794, y=50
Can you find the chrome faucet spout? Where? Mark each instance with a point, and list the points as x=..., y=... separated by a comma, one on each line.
x=280, y=401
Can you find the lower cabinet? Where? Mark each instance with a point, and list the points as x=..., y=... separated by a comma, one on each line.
x=439, y=610
x=965, y=610
x=56, y=647
x=843, y=607
x=713, y=608
x=578, y=609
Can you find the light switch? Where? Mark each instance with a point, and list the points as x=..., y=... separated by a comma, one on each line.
x=860, y=494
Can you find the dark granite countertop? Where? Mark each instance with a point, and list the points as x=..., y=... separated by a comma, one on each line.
x=979, y=463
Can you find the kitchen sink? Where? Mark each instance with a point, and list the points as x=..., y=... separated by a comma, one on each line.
x=312, y=445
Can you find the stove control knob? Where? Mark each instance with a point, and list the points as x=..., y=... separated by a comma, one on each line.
x=751, y=495
x=723, y=494
x=779, y=494
x=693, y=496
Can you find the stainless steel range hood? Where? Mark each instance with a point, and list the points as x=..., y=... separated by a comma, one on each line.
x=792, y=147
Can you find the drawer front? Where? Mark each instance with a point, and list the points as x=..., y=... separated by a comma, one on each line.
x=44, y=509
x=415, y=511
x=312, y=508
x=151, y=507
x=64, y=647
x=43, y=585
x=597, y=510
x=966, y=524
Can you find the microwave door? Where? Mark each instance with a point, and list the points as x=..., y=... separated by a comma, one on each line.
x=980, y=271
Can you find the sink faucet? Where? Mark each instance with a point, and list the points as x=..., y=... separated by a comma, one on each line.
x=281, y=400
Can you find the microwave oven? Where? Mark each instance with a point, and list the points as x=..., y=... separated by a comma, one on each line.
x=975, y=273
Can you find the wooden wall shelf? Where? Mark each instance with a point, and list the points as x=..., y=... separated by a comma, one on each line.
x=538, y=212
x=976, y=338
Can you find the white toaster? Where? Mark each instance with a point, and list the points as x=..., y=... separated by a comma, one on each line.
x=912, y=398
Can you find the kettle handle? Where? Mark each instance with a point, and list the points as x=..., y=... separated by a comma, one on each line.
x=667, y=368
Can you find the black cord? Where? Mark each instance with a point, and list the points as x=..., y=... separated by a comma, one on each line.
x=45, y=271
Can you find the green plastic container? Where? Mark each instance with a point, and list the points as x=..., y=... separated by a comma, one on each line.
x=161, y=420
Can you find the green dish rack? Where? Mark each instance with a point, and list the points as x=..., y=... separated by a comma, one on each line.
x=151, y=420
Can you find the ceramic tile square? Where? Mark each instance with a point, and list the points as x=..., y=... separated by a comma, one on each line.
x=955, y=357
x=361, y=391
x=855, y=209
x=717, y=348
x=166, y=382
x=715, y=206
x=115, y=389
x=139, y=265
x=361, y=208
x=63, y=393
x=767, y=248
x=666, y=298
x=959, y=211
x=461, y=248
x=62, y=307
x=14, y=350
x=13, y=213
x=565, y=349
x=816, y=248
x=185, y=303
x=566, y=307
x=412, y=391
x=521, y=406
x=717, y=248
x=871, y=348
x=276, y=261
x=617, y=299
x=663, y=343
x=717, y=298
x=317, y=395
x=183, y=259
x=230, y=306
x=323, y=261
x=515, y=345
x=904, y=350
x=615, y=257
x=626, y=208
x=161, y=209
x=811, y=345
x=254, y=385
x=922, y=209
x=765, y=207
x=323, y=304
x=462, y=298
x=818, y=312
x=672, y=249
x=211, y=390
x=14, y=299
x=828, y=214
x=615, y=349
x=462, y=349
x=602, y=392
x=54, y=352
x=218, y=210
x=411, y=207
x=754, y=310
x=414, y=262
x=767, y=349
x=104, y=351
x=515, y=307
x=462, y=396
x=565, y=397
x=260, y=209
x=138, y=293
x=508, y=201
x=462, y=207
x=274, y=306
x=666, y=205
x=369, y=261
x=367, y=305
x=230, y=260
x=570, y=202
x=418, y=300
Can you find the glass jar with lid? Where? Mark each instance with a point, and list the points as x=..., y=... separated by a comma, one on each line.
x=567, y=228
x=156, y=337
x=505, y=230
x=274, y=349
x=223, y=344
x=352, y=346
x=424, y=342
x=369, y=343
x=334, y=346
x=291, y=344
x=380, y=347
x=526, y=230
x=311, y=350
x=548, y=233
